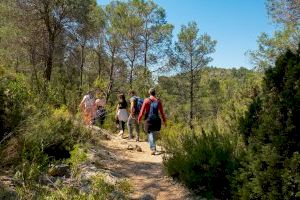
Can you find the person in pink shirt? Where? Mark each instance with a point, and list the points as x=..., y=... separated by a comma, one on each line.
x=151, y=107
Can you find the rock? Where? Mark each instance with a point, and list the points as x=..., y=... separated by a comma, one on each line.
x=46, y=180
x=106, y=137
x=102, y=133
x=130, y=147
x=110, y=179
x=60, y=170
x=147, y=197
x=88, y=171
x=138, y=148
x=106, y=155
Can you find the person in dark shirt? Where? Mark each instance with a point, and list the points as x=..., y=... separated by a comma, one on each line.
x=121, y=113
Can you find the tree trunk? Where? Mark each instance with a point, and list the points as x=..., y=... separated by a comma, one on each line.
x=49, y=59
x=191, y=101
x=51, y=42
x=111, y=75
x=131, y=74
x=81, y=65
x=99, y=65
x=33, y=63
x=145, y=54
x=191, y=94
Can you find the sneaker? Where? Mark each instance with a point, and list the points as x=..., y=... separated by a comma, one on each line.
x=121, y=133
x=153, y=152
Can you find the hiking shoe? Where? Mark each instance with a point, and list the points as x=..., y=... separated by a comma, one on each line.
x=121, y=134
x=153, y=152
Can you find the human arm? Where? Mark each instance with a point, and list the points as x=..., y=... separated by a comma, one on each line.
x=117, y=109
x=132, y=109
x=81, y=105
x=142, y=111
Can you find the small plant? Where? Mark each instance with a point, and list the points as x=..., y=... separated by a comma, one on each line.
x=203, y=162
x=78, y=156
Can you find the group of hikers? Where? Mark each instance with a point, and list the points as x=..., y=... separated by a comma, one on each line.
x=151, y=107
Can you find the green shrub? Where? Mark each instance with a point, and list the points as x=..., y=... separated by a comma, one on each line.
x=203, y=162
x=271, y=129
x=52, y=126
x=78, y=156
x=46, y=128
x=14, y=98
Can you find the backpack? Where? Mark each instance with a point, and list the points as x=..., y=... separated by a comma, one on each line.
x=100, y=113
x=138, y=102
x=89, y=101
x=153, y=121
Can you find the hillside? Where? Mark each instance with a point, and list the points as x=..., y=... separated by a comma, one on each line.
x=123, y=169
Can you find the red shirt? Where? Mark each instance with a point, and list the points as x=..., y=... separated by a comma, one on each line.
x=146, y=108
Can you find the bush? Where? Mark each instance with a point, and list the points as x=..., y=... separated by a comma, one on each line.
x=203, y=162
x=14, y=97
x=271, y=129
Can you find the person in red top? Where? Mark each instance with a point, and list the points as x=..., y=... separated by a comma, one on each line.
x=151, y=108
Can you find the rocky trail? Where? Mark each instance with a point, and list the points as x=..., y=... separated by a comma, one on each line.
x=133, y=160
x=115, y=159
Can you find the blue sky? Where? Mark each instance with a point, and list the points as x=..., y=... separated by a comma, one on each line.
x=235, y=24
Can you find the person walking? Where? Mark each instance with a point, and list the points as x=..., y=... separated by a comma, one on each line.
x=100, y=112
x=87, y=105
x=151, y=107
x=122, y=114
x=135, y=107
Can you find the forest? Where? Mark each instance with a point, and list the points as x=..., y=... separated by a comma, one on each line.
x=231, y=133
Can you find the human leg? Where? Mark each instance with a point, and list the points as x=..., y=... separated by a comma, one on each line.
x=123, y=126
x=137, y=128
x=130, y=128
x=151, y=139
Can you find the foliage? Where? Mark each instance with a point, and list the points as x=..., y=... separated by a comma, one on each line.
x=222, y=95
x=98, y=190
x=203, y=162
x=271, y=130
x=270, y=47
x=78, y=156
x=191, y=55
x=14, y=95
x=284, y=11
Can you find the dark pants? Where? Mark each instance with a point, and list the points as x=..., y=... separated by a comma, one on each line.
x=122, y=125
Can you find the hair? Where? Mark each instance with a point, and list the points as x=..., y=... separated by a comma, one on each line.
x=152, y=91
x=91, y=93
x=132, y=92
x=122, y=98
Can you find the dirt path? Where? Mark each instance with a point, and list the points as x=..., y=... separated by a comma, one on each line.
x=144, y=171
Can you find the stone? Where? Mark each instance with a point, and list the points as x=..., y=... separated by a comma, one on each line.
x=147, y=197
x=138, y=148
x=130, y=147
x=60, y=170
x=106, y=137
x=106, y=155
